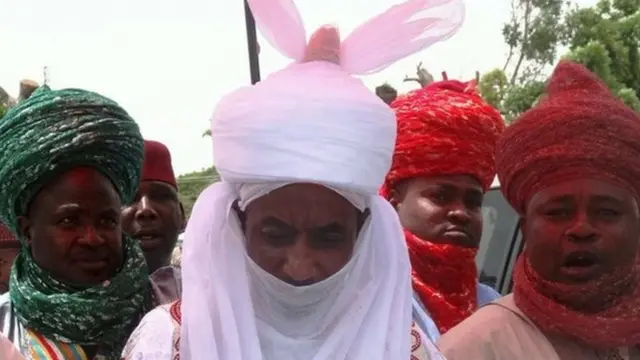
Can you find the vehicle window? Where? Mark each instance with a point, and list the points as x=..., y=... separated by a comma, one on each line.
x=498, y=235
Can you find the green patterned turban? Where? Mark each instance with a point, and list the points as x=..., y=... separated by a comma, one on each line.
x=56, y=131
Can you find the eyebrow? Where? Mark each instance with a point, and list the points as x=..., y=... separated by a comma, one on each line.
x=274, y=221
x=445, y=186
x=76, y=207
x=68, y=207
x=330, y=227
x=452, y=187
x=606, y=198
x=560, y=199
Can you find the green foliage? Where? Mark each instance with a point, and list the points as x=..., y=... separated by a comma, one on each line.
x=532, y=34
x=493, y=86
x=3, y=110
x=192, y=184
x=605, y=38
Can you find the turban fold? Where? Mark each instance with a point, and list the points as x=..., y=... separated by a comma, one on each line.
x=55, y=131
x=444, y=129
x=310, y=122
x=578, y=129
x=157, y=163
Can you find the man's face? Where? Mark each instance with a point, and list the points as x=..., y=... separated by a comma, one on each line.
x=73, y=227
x=441, y=209
x=8, y=252
x=155, y=218
x=578, y=231
x=301, y=233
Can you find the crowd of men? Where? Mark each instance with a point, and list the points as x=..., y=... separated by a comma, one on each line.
x=342, y=227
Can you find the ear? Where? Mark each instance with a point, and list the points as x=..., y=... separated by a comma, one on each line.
x=24, y=229
x=183, y=218
x=395, y=197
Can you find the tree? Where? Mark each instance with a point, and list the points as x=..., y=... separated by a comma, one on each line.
x=190, y=186
x=534, y=32
x=423, y=77
x=605, y=38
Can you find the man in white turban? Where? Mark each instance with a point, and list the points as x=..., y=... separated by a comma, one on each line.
x=293, y=255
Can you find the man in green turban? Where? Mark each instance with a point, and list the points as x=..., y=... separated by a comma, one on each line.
x=69, y=160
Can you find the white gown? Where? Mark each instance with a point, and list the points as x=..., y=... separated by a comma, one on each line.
x=157, y=337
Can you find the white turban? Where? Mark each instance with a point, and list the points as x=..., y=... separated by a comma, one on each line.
x=311, y=122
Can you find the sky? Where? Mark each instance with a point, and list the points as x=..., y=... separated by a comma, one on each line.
x=168, y=62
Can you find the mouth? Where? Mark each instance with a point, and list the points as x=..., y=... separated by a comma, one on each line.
x=580, y=265
x=460, y=236
x=457, y=232
x=148, y=241
x=92, y=265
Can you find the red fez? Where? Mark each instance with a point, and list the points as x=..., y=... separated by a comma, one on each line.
x=579, y=129
x=444, y=129
x=6, y=235
x=157, y=163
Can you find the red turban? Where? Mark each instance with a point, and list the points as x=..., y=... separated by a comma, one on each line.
x=579, y=129
x=444, y=129
x=157, y=163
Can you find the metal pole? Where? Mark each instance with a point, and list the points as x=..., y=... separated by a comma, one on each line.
x=252, y=42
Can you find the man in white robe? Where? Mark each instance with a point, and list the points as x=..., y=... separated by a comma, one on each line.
x=294, y=255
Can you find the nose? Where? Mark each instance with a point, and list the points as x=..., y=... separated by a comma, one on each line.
x=145, y=210
x=91, y=237
x=459, y=213
x=581, y=229
x=299, y=265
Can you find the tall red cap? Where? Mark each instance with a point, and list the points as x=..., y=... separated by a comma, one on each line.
x=445, y=128
x=157, y=163
x=578, y=129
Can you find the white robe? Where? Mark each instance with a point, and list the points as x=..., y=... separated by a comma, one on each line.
x=157, y=337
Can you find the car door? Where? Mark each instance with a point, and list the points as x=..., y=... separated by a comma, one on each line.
x=501, y=241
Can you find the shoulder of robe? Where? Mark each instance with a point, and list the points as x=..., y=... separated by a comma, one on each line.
x=5, y=300
x=6, y=313
x=421, y=346
x=152, y=336
x=491, y=333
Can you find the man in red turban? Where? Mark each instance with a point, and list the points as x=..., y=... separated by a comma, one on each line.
x=156, y=218
x=9, y=248
x=442, y=165
x=571, y=167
